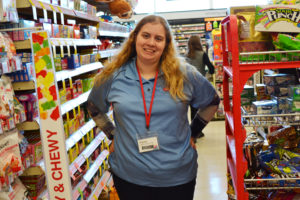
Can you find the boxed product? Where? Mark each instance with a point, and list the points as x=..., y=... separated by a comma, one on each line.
x=279, y=79
x=73, y=61
x=57, y=63
x=277, y=18
x=25, y=34
x=277, y=90
x=264, y=107
x=284, y=104
x=248, y=91
x=294, y=92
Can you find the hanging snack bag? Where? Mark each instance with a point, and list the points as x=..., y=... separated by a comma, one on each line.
x=11, y=163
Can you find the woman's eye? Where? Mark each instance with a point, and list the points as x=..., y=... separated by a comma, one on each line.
x=159, y=39
x=145, y=35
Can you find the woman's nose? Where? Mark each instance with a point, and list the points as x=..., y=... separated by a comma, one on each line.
x=151, y=41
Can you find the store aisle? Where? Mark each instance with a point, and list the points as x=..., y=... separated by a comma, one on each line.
x=211, y=179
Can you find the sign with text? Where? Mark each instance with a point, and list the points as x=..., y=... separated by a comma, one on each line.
x=51, y=124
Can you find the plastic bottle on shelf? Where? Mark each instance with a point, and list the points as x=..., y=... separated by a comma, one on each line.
x=208, y=26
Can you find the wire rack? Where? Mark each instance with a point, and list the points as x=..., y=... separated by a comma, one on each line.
x=272, y=184
x=271, y=120
x=269, y=57
x=265, y=120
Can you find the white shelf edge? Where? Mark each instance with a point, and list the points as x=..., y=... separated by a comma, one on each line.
x=100, y=186
x=86, y=153
x=69, y=105
x=108, y=53
x=113, y=33
x=77, y=42
x=61, y=75
x=95, y=166
x=82, y=131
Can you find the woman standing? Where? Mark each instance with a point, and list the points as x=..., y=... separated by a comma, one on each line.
x=153, y=154
x=198, y=58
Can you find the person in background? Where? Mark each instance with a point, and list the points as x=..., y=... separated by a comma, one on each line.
x=198, y=58
x=152, y=154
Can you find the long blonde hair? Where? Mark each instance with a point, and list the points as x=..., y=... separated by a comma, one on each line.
x=169, y=61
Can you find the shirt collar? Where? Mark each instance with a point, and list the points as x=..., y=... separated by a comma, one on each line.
x=131, y=72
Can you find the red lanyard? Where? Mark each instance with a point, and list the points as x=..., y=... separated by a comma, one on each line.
x=147, y=115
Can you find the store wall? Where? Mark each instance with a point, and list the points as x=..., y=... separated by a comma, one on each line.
x=154, y=6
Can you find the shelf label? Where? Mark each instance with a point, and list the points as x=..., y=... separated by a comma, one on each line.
x=51, y=123
x=54, y=14
x=33, y=10
x=62, y=20
x=44, y=11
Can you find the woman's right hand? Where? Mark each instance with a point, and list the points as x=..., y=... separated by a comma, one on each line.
x=111, y=147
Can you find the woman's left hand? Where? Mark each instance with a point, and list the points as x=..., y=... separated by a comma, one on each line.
x=192, y=142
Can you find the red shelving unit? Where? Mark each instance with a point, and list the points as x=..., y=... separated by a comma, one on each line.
x=239, y=72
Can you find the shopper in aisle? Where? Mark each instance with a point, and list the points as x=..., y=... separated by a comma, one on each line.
x=153, y=154
x=198, y=58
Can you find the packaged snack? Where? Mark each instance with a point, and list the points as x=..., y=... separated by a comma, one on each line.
x=10, y=164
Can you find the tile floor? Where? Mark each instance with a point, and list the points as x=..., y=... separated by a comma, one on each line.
x=211, y=179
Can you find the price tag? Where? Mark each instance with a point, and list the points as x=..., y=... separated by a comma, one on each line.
x=62, y=21
x=54, y=14
x=44, y=11
x=87, y=163
x=100, y=170
x=54, y=51
x=95, y=197
x=88, y=137
x=61, y=50
x=72, y=176
x=75, y=49
x=77, y=167
x=33, y=10
x=81, y=193
x=69, y=51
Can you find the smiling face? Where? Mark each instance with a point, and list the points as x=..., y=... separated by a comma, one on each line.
x=150, y=43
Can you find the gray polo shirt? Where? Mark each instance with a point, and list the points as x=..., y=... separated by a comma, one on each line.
x=175, y=162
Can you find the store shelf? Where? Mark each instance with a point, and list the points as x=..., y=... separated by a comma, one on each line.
x=25, y=8
x=271, y=120
x=69, y=105
x=23, y=86
x=82, y=131
x=77, y=42
x=113, y=33
x=231, y=144
x=232, y=170
x=100, y=186
x=90, y=173
x=110, y=182
x=229, y=117
x=61, y=75
x=95, y=167
x=25, y=44
x=60, y=41
x=28, y=125
x=108, y=53
x=272, y=184
x=86, y=153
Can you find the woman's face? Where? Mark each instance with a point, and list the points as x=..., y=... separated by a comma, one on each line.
x=150, y=42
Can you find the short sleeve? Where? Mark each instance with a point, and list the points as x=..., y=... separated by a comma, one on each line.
x=98, y=95
x=202, y=90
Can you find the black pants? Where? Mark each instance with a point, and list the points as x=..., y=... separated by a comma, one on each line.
x=130, y=191
x=193, y=112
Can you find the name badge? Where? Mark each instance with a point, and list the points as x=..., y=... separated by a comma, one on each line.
x=148, y=143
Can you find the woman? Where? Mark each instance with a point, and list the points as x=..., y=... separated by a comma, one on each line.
x=153, y=154
x=198, y=58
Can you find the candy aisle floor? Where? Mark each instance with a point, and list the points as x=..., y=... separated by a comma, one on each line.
x=211, y=179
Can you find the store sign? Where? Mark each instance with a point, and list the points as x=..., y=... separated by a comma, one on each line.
x=51, y=124
x=277, y=18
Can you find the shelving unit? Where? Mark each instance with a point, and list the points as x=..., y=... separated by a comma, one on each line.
x=239, y=72
x=25, y=7
x=183, y=32
x=56, y=143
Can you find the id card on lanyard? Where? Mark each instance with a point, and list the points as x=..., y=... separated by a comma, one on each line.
x=149, y=140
